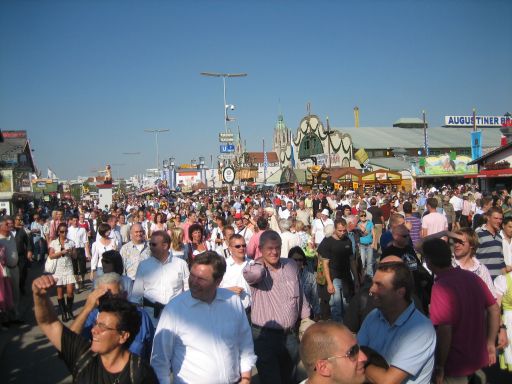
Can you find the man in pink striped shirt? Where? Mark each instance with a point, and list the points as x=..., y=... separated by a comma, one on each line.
x=278, y=303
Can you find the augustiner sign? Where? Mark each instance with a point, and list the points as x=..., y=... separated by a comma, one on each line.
x=481, y=121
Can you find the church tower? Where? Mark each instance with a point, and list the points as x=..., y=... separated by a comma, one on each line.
x=282, y=136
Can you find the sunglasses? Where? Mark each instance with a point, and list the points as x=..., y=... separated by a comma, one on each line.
x=458, y=241
x=63, y=231
x=352, y=354
x=240, y=246
x=103, y=327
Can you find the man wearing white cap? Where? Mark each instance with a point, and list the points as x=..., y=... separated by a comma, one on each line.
x=319, y=224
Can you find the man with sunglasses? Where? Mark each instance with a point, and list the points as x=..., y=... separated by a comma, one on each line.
x=233, y=279
x=331, y=355
x=104, y=360
x=397, y=330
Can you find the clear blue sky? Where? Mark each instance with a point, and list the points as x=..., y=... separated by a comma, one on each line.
x=85, y=78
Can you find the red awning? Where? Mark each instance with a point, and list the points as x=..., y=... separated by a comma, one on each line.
x=489, y=173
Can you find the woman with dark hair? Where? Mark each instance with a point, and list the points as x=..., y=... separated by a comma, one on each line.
x=197, y=242
x=158, y=224
x=106, y=359
x=105, y=243
x=62, y=250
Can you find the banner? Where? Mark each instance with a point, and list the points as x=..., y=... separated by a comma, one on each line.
x=444, y=165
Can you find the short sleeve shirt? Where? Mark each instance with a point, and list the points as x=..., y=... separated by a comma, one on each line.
x=339, y=252
x=73, y=346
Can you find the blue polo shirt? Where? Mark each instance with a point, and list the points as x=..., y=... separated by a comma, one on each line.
x=409, y=344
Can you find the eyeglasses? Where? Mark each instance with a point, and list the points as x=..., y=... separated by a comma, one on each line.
x=240, y=246
x=352, y=354
x=103, y=327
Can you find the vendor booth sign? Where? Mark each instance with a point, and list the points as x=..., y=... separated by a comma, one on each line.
x=448, y=164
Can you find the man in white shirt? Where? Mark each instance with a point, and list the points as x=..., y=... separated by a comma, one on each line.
x=286, y=213
x=457, y=204
x=506, y=235
x=203, y=335
x=318, y=225
x=78, y=235
x=160, y=278
x=233, y=278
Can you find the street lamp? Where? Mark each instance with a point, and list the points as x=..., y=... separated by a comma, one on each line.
x=225, y=105
x=156, y=132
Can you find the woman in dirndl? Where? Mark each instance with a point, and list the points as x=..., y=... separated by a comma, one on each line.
x=62, y=249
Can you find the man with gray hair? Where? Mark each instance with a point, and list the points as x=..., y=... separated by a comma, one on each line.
x=110, y=285
x=278, y=303
x=136, y=250
x=288, y=239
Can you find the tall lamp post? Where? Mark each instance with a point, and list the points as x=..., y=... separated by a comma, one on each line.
x=225, y=105
x=156, y=132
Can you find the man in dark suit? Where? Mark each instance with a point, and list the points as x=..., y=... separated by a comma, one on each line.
x=25, y=247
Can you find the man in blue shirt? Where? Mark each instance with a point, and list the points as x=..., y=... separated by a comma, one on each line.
x=110, y=285
x=397, y=330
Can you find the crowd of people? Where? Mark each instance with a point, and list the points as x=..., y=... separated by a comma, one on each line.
x=385, y=286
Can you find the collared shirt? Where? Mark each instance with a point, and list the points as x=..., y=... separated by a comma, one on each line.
x=159, y=282
x=278, y=300
x=490, y=250
x=132, y=256
x=409, y=344
x=78, y=236
x=234, y=278
x=201, y=342
x=507, y=249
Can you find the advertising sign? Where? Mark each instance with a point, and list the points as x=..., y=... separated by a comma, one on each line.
x=481, y=121
x=445, y=165
x=188, y=178
x=6, y=184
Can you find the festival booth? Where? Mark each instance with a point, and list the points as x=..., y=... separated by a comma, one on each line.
x=381, y=178
x=494, y=169
x=346, y=178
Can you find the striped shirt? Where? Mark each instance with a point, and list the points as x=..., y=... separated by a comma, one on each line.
x=278, y=300
x=490, y=251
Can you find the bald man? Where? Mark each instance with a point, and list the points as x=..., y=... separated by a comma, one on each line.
x=331, y=355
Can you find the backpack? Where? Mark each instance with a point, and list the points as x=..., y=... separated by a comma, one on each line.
x=88, y=356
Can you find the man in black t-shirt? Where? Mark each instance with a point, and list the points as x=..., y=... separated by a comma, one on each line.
x=106, y=360
x=339, y=266
x=377, y=218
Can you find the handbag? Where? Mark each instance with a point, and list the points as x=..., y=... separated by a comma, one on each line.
x=50, y=265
